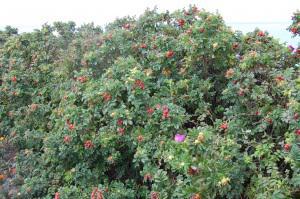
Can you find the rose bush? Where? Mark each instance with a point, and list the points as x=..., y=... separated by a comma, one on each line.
x=168, y=105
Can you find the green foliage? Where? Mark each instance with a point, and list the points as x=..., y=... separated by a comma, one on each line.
x=96, y=112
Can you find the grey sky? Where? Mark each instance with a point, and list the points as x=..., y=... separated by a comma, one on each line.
x=271, y=15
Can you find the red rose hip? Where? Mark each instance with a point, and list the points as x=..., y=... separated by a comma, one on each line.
x=169, y=54
x=224, y=126
x=287, y=147
x=180, y=22
x=14, y=79
x=261, y=34
x=294, y=30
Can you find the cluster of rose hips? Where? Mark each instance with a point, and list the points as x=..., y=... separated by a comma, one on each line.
x=81, y=79
x=150, y=111
x=70, y=125
x=169, y=54
x=165, y=111
x=154, y=195
x=120, y=122
x=126, y=26
x=88, y=144
x=97, y=194
x=14, y=79
x=57, y=196
x=33, y=107
x=143, y=46
x=192, y=170
x=279, y=79
x=294, y=30
x=147, y=177
x=261, y=34
x=121, y=130
x=67, y=139
x=181, y=22
x=224, y=126
x=139, y=84
x=106, y=96
x=235, y=45
x=140, y=138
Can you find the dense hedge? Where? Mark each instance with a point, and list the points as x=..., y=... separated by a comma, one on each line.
x=168, y=105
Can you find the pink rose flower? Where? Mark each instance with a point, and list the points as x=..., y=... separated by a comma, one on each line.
x=179, y=137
